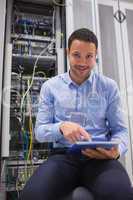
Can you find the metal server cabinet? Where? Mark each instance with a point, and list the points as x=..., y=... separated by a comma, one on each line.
x=34, y=50
x=2, y=38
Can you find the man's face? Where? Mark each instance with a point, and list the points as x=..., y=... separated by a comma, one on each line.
x=82, y=58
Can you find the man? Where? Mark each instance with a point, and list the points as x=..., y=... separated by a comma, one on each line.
x=75, y=106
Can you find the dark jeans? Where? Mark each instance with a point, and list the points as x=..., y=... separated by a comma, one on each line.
x=61, y=174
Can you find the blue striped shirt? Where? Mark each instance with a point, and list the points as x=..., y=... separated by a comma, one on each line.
x=95, y=105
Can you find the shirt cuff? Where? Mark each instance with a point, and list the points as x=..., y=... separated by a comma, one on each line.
x=56, y=131
x=122, y=149
x=48, y=133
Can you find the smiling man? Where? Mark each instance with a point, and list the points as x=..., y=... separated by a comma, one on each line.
x=77, y=106
x=82, y=59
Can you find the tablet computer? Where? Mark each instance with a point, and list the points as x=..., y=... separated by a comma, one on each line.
x=79, y=145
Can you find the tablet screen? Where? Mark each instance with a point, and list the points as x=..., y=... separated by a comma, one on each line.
x=93, y=145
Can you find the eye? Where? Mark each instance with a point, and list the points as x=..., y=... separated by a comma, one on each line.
x=90, y=56
x=76, y=55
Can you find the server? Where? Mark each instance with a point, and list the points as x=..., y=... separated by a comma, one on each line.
x=34, y=48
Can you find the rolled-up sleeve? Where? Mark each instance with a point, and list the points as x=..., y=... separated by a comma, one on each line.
x=46, y=130
x=116, y=119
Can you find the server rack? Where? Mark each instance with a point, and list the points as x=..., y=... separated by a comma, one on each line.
x=34, y=52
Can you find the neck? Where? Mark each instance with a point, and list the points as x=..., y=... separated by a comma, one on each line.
x=76, y=80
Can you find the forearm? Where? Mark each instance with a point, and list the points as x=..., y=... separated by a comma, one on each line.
x=48, y=132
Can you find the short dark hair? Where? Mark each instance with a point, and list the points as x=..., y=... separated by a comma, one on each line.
x=83, y=34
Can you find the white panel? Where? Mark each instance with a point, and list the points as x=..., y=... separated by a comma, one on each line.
x=82, y=11
x=6, y=103
x=108, y=42
x=60, y=60
x=2, y=32
x=128, y=42
x=69, y=18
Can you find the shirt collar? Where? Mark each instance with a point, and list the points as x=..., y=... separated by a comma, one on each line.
x=69, y=81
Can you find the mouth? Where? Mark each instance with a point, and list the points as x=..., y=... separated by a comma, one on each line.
x=82, y=69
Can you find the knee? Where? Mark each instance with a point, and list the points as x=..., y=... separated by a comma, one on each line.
x=115, y=191
x=81, y=193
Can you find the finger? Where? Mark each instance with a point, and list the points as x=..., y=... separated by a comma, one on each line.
x=74, y=138
x=93, y=155
x=99, y=155
x=78, y=137
x=85, y=134
x=114, y=149
x=87, y=154
x=102, y=150
x=111, y=154
x=71, y=139
x=115, y=152
x=93, y=152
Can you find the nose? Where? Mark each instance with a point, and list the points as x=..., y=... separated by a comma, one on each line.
x=83, y=61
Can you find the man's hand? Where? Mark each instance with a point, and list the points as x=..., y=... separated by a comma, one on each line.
x=74, y=132
x=101, y=153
